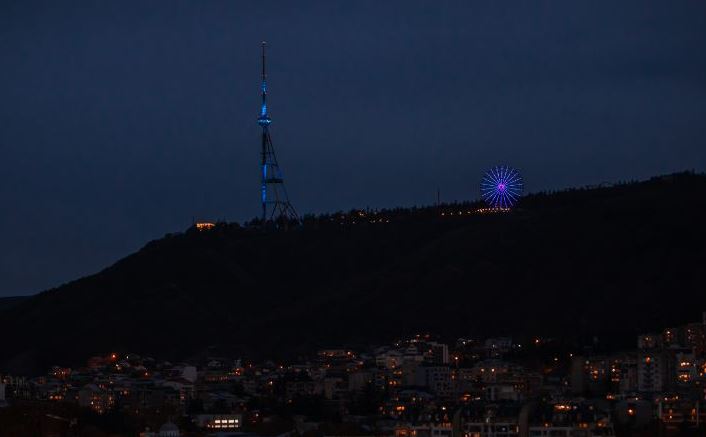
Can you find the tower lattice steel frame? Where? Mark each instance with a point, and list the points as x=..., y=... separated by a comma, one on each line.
x=276, y=207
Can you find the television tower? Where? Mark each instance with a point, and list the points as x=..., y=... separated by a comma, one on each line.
x=275, y=202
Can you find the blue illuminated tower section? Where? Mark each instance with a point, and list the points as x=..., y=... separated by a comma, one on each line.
x=276, y=208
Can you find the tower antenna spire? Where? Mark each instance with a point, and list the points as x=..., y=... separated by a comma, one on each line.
x=264, y=75
x=276, y=208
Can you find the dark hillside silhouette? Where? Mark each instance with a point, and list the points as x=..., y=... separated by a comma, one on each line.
x=608, y=262
x=9, y=302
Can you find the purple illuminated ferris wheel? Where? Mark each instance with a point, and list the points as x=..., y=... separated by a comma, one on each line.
x=501, y=187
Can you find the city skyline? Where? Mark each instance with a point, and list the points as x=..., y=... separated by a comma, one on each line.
x=418, y=384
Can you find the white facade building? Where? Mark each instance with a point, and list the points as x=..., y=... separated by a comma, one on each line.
x=219, y=422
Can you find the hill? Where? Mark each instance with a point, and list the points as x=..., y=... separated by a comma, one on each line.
x=9, y=302
x=605, y=261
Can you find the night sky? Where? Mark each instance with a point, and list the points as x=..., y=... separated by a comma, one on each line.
x=122, y=121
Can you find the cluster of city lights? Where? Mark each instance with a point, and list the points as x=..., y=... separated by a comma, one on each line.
x=205, y=226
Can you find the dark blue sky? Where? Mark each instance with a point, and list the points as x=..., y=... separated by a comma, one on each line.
x=120, y=121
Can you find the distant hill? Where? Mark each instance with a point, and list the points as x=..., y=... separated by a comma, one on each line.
x=9, y=302
x=604, y=261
